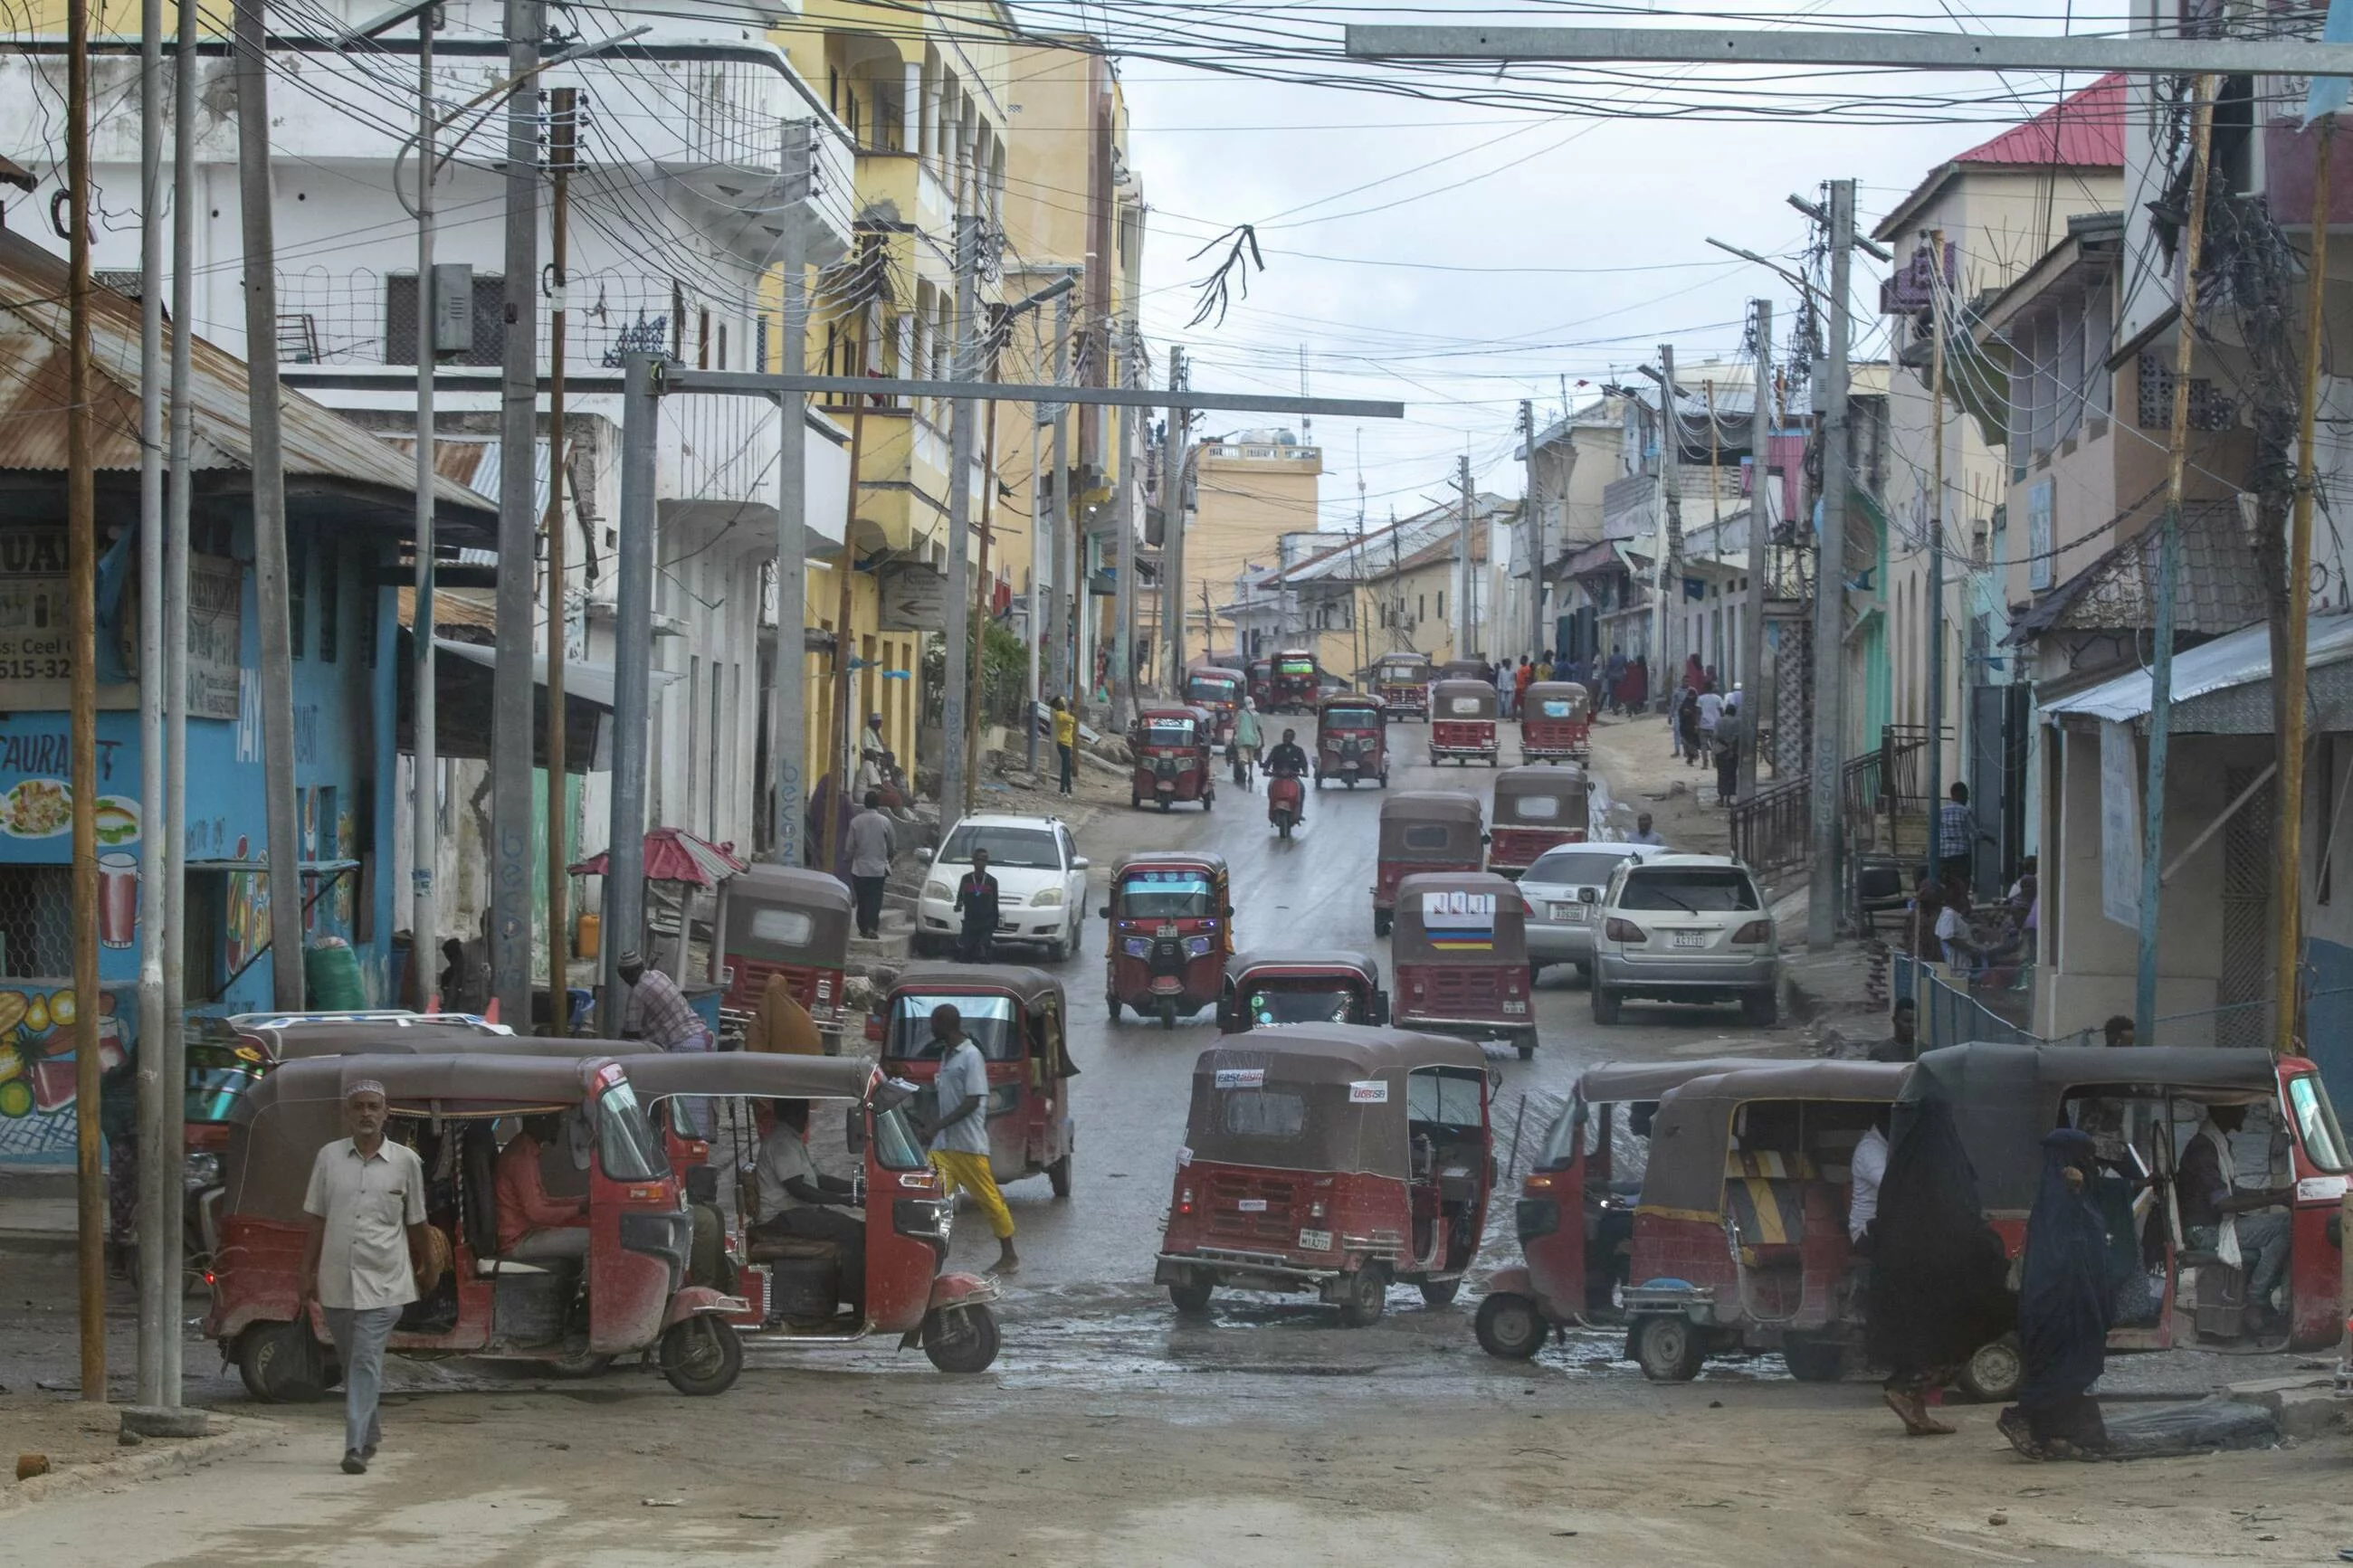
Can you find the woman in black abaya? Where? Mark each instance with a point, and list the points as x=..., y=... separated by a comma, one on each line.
x=1939, y=1277
x=2063, y=1307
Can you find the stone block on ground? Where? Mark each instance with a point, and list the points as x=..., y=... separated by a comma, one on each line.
x=2161, y=1431
x=165, y=1421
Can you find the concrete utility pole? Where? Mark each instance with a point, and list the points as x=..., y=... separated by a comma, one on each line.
x=1829, y=586
x=1171, y=533
x=1670, y=521
x=1465, y=646
x=161, y=1103
x=82, y=541
x=1760, y=532
x=1060, y=553
x=1535, y=531
x=424, y=766
x=788, y=699
x=516, y=605
x=564, y=138
x=1034, y=634
x=1122, y=660
x=633, y=637
x=953, y=717
x=1936, y=546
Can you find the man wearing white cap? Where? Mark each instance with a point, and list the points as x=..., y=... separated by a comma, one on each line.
x=361, y=1259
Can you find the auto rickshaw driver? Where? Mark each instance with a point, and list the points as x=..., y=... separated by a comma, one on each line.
x=798, y=1199
x=1289, y=760
x=536, y=1225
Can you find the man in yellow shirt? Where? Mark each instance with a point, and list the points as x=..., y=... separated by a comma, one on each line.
x=1066, y=739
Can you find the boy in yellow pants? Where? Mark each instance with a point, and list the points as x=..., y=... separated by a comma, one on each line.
x=959, y=1139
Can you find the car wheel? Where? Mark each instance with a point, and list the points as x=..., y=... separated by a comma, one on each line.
x=1058, y=951
x=1762, y=1008
x=1604, y=1004
x=1668, y=1349
x=1509, y=1327
x=1993, y=1373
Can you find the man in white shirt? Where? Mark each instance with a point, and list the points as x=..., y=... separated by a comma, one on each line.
x=959, y=1138
x=798, y=1199
x=1868, y=1168
x=361, y=1256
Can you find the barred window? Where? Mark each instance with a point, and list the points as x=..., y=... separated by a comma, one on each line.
x=2209, y=409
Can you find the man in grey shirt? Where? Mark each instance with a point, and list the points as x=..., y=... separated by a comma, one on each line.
x=366, y=1247
x=871, y=845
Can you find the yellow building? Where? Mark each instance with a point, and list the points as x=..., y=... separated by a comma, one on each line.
x=1249, y=490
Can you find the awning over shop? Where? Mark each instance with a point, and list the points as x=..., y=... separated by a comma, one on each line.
x=2224, y=686
x=462, y=703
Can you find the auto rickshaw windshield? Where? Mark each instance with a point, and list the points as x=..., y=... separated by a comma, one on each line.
x=2316, y=1123
x=1028, y=848
x=1168, y=732
x=624, y=1138
x=895, y=1144
x=1302, y=1001
x=1224, y=688
x=988, y=1020
x=773, y=925
x=1294, y=666
x=1352, y=718
x=1467, y=707
x=1531, y=807
x=1167, y=896
x=1446, y=1095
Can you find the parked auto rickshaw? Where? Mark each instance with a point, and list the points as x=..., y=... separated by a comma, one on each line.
x=1575, y=1213
x=1424, y=830
x=1401, y=680
x=784, y=920
x=1282, y=986
x=1556, y=722
x=1018, y=1019
x=1351, y=739
x=1536, y=809
x=1296, y=682
x=1171, y=743
x=1330, y=1158
x=1171, y=914
x=1460, y=957
x=796, y=1283
x=2143, y=1108
x=1218, y=691
x=1740, y=1236
x=1462, y=722
x=1261, y=683
x=478, y=1303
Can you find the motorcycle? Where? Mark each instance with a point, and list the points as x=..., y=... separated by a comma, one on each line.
x=1284, y=796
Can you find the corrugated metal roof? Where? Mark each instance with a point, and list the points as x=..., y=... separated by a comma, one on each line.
x=2222, y=587
x=317, y=442
x=2084, y=130
x=2241, y=659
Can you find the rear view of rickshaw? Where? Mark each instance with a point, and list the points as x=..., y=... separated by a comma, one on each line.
x=1424, y=830
x=1277, y=987
x=1740, y=1238
x=1536, y=809
x=1261, y=683
x=1330, y=1159
x=1351, y=740
x=622, y=1294
x=1171, y=914
x=1172, y=757
x=1296, y=681
x=1462, y=722
x=1018, y=1017
x=785, y=920
x=1401, y=680
x=1477, y=669
x=1460, y=958
x=1556, y=722
x=1219, y=691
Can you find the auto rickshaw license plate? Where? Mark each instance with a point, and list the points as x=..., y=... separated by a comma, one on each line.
x=1315, y=1241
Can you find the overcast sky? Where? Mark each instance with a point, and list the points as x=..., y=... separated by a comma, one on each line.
x=1580, y=240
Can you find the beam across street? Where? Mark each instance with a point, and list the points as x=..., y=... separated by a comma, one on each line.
x=752, y=384
x=1894, y=51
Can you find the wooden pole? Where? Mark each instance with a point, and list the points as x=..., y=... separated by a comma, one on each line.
x=836, y=811
x=980, y=600
x=563, y=133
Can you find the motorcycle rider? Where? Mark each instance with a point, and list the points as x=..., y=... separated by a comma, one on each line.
x=1288, y=761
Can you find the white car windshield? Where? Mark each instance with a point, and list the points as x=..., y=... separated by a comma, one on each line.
x=1014, y=849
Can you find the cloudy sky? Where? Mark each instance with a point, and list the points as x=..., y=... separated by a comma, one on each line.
x=1460, y=256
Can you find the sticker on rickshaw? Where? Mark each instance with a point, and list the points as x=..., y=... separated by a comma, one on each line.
x=1252, y=1205
x=1241, y=1078
x=1555, y=708
x=1459, y=921
x=1183, y=1156
x=1369, y=1091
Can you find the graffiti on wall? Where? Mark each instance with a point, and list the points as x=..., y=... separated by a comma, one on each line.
x=36, y=1069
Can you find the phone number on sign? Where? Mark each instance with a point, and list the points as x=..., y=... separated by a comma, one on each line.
x=35, y=668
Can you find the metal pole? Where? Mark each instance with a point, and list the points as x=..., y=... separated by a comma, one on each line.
x=953, y=717
x=1122, y=652
x=516, y=603
x=1760, y=530
x=2288, y=880
x=1671, y=521
x=1829, y=586
x=81, y=524
x=633, y=639
x=160, y=1104
x=1463, y=647
x=788, y=701
x=1535, y=535
x=838, y=742
x=1062, y=548
x=1034, y=633
x=563, y=133
x=1171, y=533
x=981, y=596
x=425, y=768
x=2169, y=570
x=1936, y=549
x=172, y=1047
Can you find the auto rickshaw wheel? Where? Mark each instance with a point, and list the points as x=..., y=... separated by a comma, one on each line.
x=1110, y=1005
x=1526, y=1042
x=579, y=1363
x=961, y=1340
x=1439, y=1292
x=1191, y=1297
x=1380, y=922
x=282, y=1363
x=702, y=1354
x=1991, y=1376
x=1058, y=1176
x=1509, y=1327
x=1168, y=1012
x=1814, y=1361
x=1668, y=1349
x=1364, y=1295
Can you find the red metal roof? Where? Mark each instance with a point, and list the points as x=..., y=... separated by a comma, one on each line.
x=2084, y=130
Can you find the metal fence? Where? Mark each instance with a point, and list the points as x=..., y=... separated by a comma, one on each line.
x=1772, y=829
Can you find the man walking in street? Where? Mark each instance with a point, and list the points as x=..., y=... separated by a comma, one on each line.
x=975, y=899
x=1956, y=837
x=1066, y=739
x=659, y=1014
x=872, y=845
x=362, y=1253
x=1643, y=832
x=958, y=1139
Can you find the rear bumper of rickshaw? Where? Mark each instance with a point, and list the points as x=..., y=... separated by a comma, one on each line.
x=1244, y=1270
x=1494, y=1029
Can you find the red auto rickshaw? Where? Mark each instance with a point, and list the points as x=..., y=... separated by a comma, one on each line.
x=1460, y=959
x=1462, y=715
x=1261, y=683
x=1330, y=1158
x=1351, y=739
x=1401, y=680
x=785, y=920
x=1171, y=914
x=1297, y=680
x=1171, y=742
x=1282, y=986
x=478, y=1302
x=1424, y=830
x=1218, y=691
x=1556, y=722
x=1536, y=809
x=1018, y=1017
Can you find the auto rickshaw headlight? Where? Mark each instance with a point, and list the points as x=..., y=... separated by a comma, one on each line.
x=1197, y=947
x=938, y=890
x=1135, y=947
x=1046, y=898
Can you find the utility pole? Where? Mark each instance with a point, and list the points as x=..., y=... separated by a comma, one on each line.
x=516, y=606
x=161, y=1107
x=1534, y=530
x=1760, y=530
x=788, y=701
x=1122, y=673
x=2168, y=575
x=563, y=133
x=82, y=528
x=1670, y=518
x=1464, y=648
x=1059, y=542
x=1936, y=547
x=1034, y=633
x=981, y=595
x=1830, y=586
x=1172, y=533
x=953, y=717
x=633, y=639
x=425, y=767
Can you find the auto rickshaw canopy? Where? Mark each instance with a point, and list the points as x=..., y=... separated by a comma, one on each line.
x=788, y=914
x=1441, y=825
x=1543, y=797
x=291, y=1036
x=1461, y=701
x=758, y=1075
x=1691, y=1137
x=1618, y=1083
x=1328, y=1097
x=1473, y=917
x=1574, y=702
x=1462, y=670
x=1304, y=961
x=2006, y=1097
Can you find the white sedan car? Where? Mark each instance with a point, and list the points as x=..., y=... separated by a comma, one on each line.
x=1560, y=927
x=1042, y=883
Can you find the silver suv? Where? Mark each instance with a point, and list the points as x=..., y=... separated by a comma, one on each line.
x=1684, y=928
